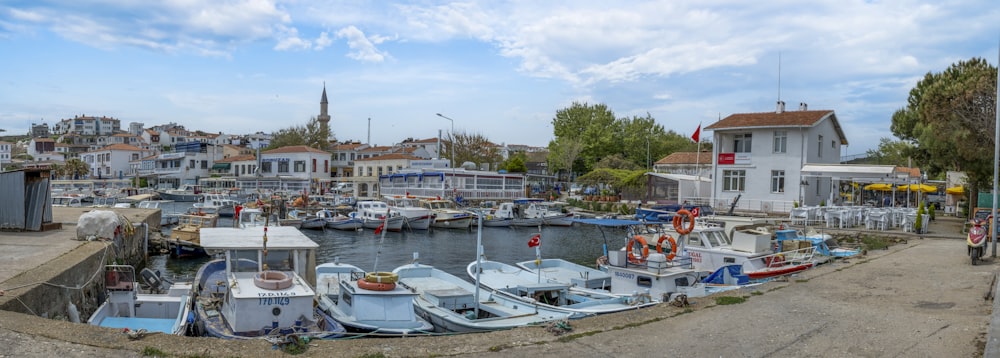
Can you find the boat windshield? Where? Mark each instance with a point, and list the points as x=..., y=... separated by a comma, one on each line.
x=832, y=243
x=716, y=238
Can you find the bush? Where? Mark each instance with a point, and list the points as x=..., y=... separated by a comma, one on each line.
x=918, y=224
x=930, y=211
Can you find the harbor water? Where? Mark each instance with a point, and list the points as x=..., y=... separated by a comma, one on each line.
x=450, y=250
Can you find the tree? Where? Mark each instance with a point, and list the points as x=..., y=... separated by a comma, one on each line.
x=892, y=152
x=475, y=148
x=75, y=169
x=950, y=117
x=311, y=134
x=594, y=127
x=562, y=155
x=516, y=163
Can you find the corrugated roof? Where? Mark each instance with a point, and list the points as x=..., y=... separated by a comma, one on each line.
x=391, y=156
x=237, y=158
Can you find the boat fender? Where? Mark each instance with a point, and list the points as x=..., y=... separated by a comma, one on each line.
x=679, y=222
x=632, y=256
x=673, y=246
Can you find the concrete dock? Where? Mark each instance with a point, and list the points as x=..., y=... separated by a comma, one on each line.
x=920, y=297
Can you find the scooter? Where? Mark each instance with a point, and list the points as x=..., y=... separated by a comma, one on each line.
x=977, y=240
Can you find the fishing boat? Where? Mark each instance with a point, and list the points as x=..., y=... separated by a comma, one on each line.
x=268, y=296
x=527, y=286
x=417, y=217
x=369, y=303
x=373, y=213
x=186, y=193
x=453, y=304
x=552, y=213
x=824, y=244
x=221, y=204
x=336, y=220
x=512, y=213
x=446, y=215
x=562, y=271
x=312, y=222
x=185, y=238
x=162, y=307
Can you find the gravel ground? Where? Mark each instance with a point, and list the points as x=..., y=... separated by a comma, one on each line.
x=920, y=298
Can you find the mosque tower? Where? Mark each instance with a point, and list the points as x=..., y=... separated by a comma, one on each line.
x=324, y=117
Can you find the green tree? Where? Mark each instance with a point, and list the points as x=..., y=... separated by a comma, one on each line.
x=892, y=152
x=311, y=134
x=516, y=163
x=75, y=169
x=950, y=117
x=562, y=155
x=475, y=148
x=594, y=127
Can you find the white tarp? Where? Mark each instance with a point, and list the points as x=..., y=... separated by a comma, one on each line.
x=97, y=224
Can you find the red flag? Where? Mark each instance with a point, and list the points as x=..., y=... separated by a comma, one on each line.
x=697, y=134
x=535, y=240
x=378, y=230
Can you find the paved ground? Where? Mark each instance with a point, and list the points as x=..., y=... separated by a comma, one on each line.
x=920, y=298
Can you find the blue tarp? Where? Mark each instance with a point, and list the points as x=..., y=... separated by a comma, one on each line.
x=733, y=271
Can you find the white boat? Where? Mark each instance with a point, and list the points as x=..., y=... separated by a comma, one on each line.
x=335, y=220
x=446, y=215
x=308, y=221
x=551, y=212
x=165, y=217
x=514, y=212
x=70, y=201
x=268, y=298
x=456, y=305
x=221, y=204
x=363, y=305
x=186, y=193
x=373, y=214
x=527, y=286
x=159, y=309
x=417, y=217
x=565, y=272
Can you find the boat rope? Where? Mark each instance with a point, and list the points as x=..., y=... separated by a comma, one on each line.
x=559, y=327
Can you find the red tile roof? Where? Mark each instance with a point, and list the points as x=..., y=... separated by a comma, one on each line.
x=774, y=119
x=295, y=149
x=120, y=146
x=237, y=158
x=687, y=158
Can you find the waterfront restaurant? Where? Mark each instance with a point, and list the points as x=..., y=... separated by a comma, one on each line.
x=475, y=185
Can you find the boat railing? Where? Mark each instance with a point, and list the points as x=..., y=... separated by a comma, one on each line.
x=791, y=257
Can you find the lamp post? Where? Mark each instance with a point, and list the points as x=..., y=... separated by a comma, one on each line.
x=451, y=139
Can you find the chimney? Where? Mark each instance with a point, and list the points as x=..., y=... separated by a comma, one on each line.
x=803, y=106
x=781, y=107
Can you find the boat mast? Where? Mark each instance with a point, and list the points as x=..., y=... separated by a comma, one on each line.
x=479, y=255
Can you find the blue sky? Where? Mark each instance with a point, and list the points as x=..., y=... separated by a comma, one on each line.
x=497, y=68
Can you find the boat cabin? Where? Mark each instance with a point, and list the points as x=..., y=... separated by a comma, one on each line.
x=277, y=291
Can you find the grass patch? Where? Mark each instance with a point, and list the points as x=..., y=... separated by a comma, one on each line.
x=729, y=300
x=496, y=348
x=153, y=352
x=373, y=355
x=875, y=242
x=573, y=336
x=756, y=293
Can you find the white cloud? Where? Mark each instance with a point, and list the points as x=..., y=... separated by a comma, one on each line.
x=323, y=41
x=363, y=49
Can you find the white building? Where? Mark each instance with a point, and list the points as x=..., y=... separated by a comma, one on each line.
x=5, y=151
x=188, y=163
x=113, y=161
x=368, y=170
x=84, y=125
x=759, y=157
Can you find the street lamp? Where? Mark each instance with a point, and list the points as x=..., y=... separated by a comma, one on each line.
x=451, y=138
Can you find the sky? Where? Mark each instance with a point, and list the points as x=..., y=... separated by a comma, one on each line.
x=501, y=69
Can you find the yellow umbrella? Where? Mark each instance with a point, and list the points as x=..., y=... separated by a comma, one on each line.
x=878, y=187
x=918, y=187
x=955, y=190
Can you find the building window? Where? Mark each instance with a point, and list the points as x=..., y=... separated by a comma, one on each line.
x=283, y=167
x=300, y=166
x=314, y=165
x=204, y=164
x=741, y=143
x=734, y=180
x=780, y=141
x=819, y=149
x=777, y=181
x=265, y=167
x=369, y=171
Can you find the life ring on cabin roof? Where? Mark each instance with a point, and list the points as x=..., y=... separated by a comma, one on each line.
x=632, y=257
x=272, y=280
x=679, y=222
x=381, y=277
x=375, y=286
x=673, y=246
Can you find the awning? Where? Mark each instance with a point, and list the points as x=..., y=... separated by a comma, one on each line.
x=918, y=187
x=955, y=190
x=878, y=187
x=221, y=166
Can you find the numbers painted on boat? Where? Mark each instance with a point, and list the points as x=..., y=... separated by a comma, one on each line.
x=625, y=275
x=271, y=301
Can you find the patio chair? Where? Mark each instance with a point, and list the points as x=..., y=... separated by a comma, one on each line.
x=798, y=215
x=877, y=221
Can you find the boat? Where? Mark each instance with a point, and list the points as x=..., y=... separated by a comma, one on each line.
x=527, y=286
x=308, y=221
x=824, y=244
x=185, y=238
x=373, y=215
x=417, y=217
x=453, y=304
x=221, y=204
x=562, y=271
x=552, y=213
x=156, y=309
x=269, y=297
x=339, y=221
x=363, y=304
x=186, y=193
x=166, y=218
x=446, y=215
x=70, y=201
x=710, y=248
x=512, y=213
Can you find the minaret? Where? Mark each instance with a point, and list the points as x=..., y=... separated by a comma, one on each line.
x=324, y=117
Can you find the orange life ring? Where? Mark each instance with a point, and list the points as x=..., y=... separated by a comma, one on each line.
x=631, y=250
x=673, y=246
x=375, y=286
x=679, y=222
